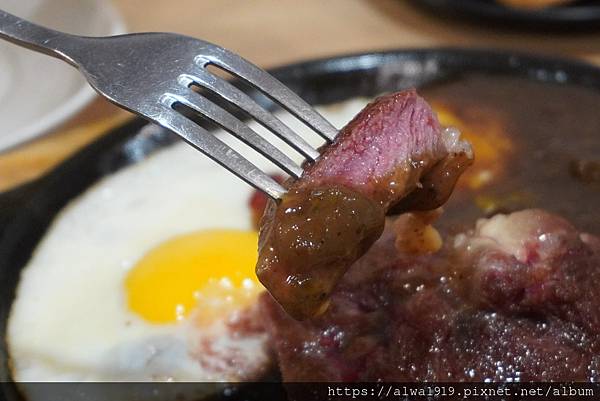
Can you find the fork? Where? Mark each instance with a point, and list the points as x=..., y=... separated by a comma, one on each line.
x=152, y=74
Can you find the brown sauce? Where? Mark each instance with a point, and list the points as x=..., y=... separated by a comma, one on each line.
x=555, y=135
x=312, y=238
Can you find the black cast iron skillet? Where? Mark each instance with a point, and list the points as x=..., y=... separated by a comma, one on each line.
x=581, y=15
x=26, y=212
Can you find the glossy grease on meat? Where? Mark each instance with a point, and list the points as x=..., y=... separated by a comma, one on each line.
x=515, y=299
x=392, y=156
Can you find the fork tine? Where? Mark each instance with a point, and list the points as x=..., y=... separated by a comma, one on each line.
x=236, y=127
x=270, y=86
x=220, y=152
x=221, y=87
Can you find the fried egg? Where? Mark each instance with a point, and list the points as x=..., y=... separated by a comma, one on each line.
x=149, y=275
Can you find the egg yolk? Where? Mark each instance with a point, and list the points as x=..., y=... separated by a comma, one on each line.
x=207, y=271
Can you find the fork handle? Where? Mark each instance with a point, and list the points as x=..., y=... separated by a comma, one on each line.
x=35, y=37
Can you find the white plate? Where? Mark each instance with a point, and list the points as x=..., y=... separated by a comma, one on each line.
x=38, y=92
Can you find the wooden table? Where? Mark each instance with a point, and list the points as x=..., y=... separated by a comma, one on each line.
x=274, y=32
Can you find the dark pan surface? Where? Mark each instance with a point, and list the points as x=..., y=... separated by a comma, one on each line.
x=25, y=213
x=577, y=16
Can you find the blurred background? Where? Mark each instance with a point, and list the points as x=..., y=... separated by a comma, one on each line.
x=272, y=33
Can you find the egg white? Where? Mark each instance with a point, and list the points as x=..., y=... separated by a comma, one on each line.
x=70, y=320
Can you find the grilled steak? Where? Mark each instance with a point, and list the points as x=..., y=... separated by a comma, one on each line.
x=392, y=157
x=514, y=299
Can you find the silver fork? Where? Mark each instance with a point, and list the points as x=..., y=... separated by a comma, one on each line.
x=151, y=74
